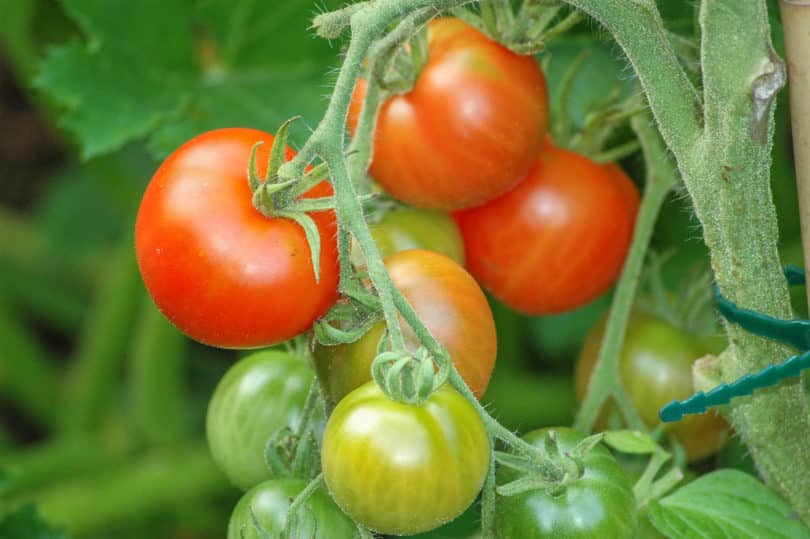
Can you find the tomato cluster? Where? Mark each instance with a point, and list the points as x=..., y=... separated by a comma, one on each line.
x=540, y=227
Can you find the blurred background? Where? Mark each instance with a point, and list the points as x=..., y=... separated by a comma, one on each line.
x=102, y=402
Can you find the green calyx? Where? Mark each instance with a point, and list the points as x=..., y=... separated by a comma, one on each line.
x=277, y=198
x=409, y=378
x=550, y=469
x=525, y=31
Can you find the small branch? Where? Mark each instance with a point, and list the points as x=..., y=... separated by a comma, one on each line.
x=637, y=27
x=304, y=495
x=605, y=379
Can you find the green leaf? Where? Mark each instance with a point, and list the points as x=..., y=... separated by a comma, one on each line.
x=170, y=69
x=602, y=70
x=631, y=441
x=25, y=523
x=726, y=503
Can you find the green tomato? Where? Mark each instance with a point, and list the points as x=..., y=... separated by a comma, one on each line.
x=598, y=505
x=656, y=367
x=400, y=469
x=269, y=502
x=258, y=397
x=406, y=228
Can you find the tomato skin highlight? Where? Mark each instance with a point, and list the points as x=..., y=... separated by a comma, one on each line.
x=219, y=270
x=556, y=241
x=598, y=505
x=269, y=503
x=400, y=469
x=453, y=308
x=259, y=396
x=469, y=128
x=655, y=364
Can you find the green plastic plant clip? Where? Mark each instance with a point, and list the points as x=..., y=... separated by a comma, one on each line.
x=795, y=333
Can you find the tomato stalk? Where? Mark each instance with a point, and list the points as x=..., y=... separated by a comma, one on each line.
x=305, y=441
x=721, y=139
x=299, y=501
x=605, y=382
x=326, y=142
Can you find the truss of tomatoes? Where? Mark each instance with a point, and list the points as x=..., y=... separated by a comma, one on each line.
x=541, y=228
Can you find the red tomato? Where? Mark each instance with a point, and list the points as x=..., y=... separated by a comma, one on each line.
x=556, y=241
x=470, y=127
x=222, y=272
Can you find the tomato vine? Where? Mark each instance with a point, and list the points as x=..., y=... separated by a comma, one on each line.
x=720, y=138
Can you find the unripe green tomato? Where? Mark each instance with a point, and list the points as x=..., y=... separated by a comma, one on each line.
x=400, y=469
x=598, y=505
x=269, y=502
x=656, y=367
x=258, y=397
x=406, y=228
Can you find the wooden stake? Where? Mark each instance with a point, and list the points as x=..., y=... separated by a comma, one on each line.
x=796, y=23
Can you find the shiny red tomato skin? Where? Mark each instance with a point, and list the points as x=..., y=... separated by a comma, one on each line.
x=470, y=127
x=219, y=270
x=556, y=241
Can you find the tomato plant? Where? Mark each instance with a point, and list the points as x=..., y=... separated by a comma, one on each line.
x=557, y=240
x=470, y=127
x=453, y=309
x=227, y=262
x=656, y=367
x=404, y=228
x=257, y=398
x=199, y=236
x=267, y=504
x=402, y=469
x=599, y=503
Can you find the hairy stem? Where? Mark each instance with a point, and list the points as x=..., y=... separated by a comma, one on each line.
x=327, y=143
x=722, y=148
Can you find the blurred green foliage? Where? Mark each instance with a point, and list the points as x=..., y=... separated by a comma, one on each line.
x=102, y=402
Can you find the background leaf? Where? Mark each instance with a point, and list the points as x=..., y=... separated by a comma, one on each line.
x=25, y=523
x=147, y=68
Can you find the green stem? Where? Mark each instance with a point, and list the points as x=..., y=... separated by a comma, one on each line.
x=28, y=376
x=327, y=142
x=146, y=488
x=605, y=379
x=55, y=461
x=102, y=344
x=488, y=498
x=723, y=152
x=304, y=495
x=636, y=25
x=302, y=434
x=158, y=378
